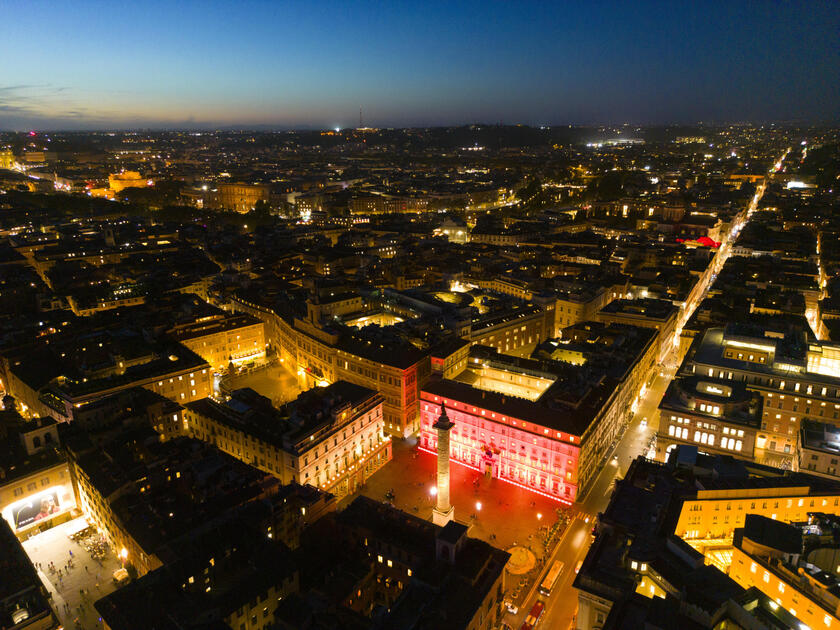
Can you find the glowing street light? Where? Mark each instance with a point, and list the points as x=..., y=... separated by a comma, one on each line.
x=478, y=506
x=433, y=491
x=539, y=516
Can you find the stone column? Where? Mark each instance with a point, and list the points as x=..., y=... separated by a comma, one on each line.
x=443, y=512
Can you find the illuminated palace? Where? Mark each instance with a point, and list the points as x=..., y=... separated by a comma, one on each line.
x=795, y=380
x=329, y=437
x=545, y=423
x=711, y=537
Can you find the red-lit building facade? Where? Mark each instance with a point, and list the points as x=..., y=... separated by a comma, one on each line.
x=510, y=438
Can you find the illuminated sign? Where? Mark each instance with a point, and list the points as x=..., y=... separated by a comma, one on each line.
x=36, y=508
x=40, y=506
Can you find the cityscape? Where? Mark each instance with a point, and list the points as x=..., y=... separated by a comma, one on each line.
x=453, y=360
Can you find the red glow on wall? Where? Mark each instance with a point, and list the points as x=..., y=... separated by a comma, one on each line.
x=705, y=241
x=531, y=457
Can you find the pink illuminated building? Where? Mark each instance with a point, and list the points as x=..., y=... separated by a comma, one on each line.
x=510, y=438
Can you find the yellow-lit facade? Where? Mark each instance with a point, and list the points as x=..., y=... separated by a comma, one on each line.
x=803, y=598
x=240, y=197
x=50, y=483
x=337, y=458
x=516, y=383
x=517, y=331
x=314, y=355
x=708, y=523
x=223, y=341
x=179, y=385
x=98, y=512
x=7, y=158
x=790, y=393
x=715, y=514
x=127, y=179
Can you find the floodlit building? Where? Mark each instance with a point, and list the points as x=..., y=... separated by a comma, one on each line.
x=127, y=179
x=239, y=196
x=795, y=564
x=35, y=488
x=795, y=379
x=332, y=437
x=222, y=340
x=660, y=315
x=323, y=353
x=673, y=530
x=542, y=424
x=717, y=416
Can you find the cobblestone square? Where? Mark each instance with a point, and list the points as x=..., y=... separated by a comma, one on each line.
x=74, y=608
x=496, y=511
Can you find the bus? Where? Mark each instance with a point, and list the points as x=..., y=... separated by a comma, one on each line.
x=551, y=578
x=533, y=617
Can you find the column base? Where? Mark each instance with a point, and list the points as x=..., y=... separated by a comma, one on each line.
x=442, y=518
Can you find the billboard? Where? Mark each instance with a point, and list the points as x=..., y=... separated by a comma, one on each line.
x=36, y=508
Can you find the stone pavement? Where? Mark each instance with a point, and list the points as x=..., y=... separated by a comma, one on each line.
x=67, y=600
x=496, y=511
x=274, y=382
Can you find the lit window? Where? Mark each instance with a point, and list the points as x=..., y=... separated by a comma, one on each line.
x=379, y=558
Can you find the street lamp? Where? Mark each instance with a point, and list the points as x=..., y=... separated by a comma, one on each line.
x=539, y=516
x=478, y=506
x=433, y=491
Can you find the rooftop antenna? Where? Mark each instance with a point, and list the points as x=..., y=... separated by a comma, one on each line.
x=360, y=118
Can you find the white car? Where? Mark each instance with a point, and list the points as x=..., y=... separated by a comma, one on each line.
x=511, y=608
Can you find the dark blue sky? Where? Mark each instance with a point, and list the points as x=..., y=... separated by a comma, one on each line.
x=79, y=65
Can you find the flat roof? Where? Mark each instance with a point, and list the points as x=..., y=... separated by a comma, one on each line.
x=563, y=420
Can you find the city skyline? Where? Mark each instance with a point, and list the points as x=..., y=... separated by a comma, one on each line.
x=258, y=65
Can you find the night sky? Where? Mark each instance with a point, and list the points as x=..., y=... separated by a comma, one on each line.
x=309, y=64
